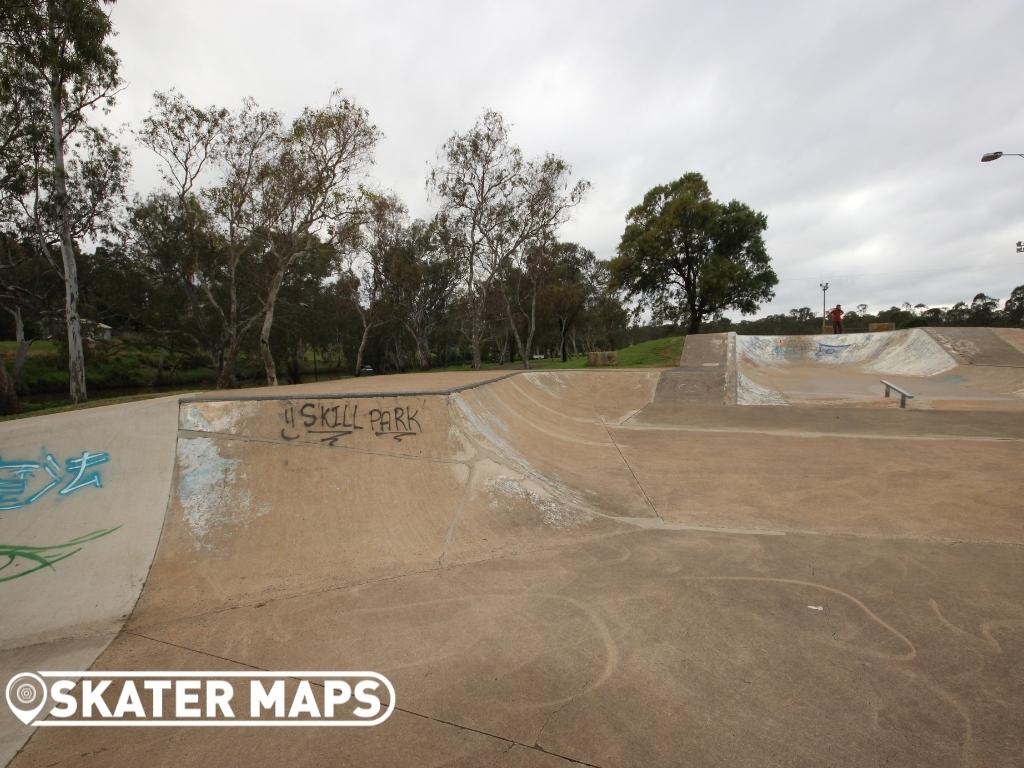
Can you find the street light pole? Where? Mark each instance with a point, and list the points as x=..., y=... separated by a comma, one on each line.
x=988, y=157
x=824, y=290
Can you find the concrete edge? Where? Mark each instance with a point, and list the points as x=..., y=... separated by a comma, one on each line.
x=731, y=394
x=411, y=393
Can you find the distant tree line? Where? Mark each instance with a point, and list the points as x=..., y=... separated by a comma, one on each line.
x=982, y=310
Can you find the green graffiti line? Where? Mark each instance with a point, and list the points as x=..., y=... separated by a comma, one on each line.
x=43, y=557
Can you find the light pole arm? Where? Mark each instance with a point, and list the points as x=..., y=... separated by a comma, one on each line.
x=988, y=157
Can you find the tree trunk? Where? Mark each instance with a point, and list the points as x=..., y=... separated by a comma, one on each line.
x=76, y=354
x=295, y=357
x=419, y=337
x=228, y=378
x=8, y=397
x=362, y=344
x=505, y=352
x=523, y=352
x=476, y=340
x=563, y=332
x=531, y=329
x=268, y=323
x=22, y=350
x=693, y=326
x=423, y=351
x=399, y=357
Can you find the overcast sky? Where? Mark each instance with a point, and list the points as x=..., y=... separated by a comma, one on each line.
x=856, y=126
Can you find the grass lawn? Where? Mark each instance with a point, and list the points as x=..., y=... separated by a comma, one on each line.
x=546, y=364
x=38, y=348
x=660, y=353
x=663, y=353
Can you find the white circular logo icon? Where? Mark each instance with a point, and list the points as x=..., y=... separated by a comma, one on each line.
x=26, y=696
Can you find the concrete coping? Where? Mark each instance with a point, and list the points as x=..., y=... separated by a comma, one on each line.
x=404, y=393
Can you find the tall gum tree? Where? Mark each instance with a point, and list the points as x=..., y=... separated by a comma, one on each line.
x=281, y=192
x=62, y=51
x=236, y=148
x=310, y=193
x=494, y=204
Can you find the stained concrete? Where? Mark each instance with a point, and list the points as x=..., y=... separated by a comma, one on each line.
x=602, y=568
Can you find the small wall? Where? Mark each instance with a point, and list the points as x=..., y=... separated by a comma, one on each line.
x=602, y=358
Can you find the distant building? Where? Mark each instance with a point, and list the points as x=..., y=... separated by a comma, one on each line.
x=91, y=329
x=95, y=330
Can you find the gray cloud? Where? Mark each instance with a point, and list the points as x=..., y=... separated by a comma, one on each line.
x=856, y=127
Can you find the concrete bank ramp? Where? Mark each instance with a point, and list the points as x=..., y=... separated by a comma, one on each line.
x=82, y=501
x=706, y=374
x=946, y=369
x=1001, y=347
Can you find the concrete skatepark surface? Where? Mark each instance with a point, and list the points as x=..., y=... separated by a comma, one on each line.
x=752, y=559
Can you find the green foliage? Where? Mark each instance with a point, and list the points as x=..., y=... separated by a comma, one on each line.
x=664, y=352
x=688, y=258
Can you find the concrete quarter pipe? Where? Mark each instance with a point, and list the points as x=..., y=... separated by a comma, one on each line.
x=747, y=560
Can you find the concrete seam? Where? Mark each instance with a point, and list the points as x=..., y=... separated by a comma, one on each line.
x=514, y=742
x=805, y=434
x=456, y=516
x=636, y=479
x=535, y=748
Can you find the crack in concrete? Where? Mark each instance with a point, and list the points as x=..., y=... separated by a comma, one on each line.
x=456, y=516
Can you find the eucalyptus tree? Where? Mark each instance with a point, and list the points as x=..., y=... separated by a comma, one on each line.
x=309, y=193
x=569, y=289
x=231, y=152
x=279, y=192
x=493, y=204
x=57, y=55
x=374, y=245
x=419, y=285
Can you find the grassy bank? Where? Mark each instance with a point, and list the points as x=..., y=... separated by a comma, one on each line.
x=663, y=353
x=660, y=353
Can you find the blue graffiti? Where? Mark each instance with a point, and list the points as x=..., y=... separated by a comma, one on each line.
x=24, y=482
x=830, y=350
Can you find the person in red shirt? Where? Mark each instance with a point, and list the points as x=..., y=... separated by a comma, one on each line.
x=837, y=319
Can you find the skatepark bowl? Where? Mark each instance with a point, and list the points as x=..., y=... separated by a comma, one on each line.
x=752, y=559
